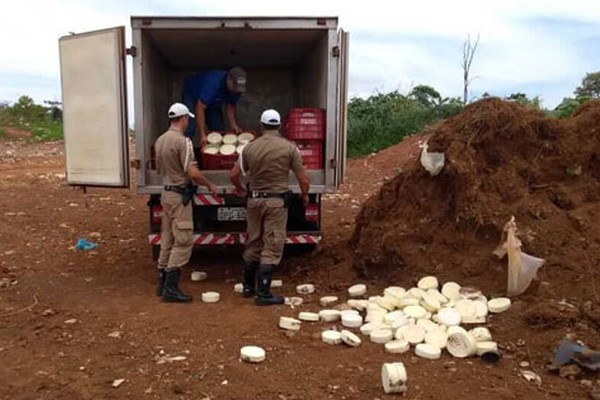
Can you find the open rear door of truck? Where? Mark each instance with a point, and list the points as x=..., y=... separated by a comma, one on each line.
x=92, y=67
x=342, y=109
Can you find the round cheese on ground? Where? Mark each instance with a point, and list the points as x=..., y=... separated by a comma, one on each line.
x=238, y=288
x=486, y=347
x=449, y=317
x=350, y=338
x=499, y=304
x=430, y=302
x=437, y=295
x=466, y=309
x=393, y=378
x=451, y=290
x=408, y=301
x=330, y=315
x=437, y=338
x=359, y=305
x=397, y=346
x=428, y=282
x=275, y=283
x=252, y=354
x=461, y=344
x=227, y=149
x=357, y=290
x=290, y=324
x=199, y=276
x=428, y=351
x=308, y=316
x=369, y=327
x=415, y=292
x=230, y=138
x=413, y=334
x=381, y=336
x=331, y=337
x=352, y=320
x=427, y=325
x=328, y=300
x=306, y=288
x=214, y=138
x=481, y=334
x=211, y=297
x=415, y=312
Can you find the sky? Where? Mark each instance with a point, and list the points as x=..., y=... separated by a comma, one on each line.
x=538, y=47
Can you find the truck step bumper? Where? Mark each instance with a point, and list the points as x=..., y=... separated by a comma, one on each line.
x=215, y=239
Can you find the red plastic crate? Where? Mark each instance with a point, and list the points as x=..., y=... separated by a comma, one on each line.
x=311, y=152
x=305, y=124
x=213, y=162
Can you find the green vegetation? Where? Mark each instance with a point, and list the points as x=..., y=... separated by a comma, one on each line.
x=44, y=122
x=382, y=120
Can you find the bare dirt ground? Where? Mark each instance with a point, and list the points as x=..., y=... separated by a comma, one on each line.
x=72, y=322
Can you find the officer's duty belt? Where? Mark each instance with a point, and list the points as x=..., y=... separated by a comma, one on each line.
x=264, y=195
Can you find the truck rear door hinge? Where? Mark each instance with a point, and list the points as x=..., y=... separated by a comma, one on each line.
x=335, y=51
x=132, y=51
x=333, y=163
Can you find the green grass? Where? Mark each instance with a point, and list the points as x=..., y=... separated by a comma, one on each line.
x=47, y=130
x=2, y=133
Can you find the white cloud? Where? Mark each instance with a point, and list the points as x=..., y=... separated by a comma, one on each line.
x=393, y=44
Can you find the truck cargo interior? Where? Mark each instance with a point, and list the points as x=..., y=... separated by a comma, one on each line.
x=285, y=69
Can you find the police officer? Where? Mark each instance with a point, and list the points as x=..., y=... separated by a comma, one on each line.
x=266, y=162
x=176, y=164
x=206, y=92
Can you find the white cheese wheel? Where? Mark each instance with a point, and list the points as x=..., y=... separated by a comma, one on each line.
x=437, y=338
x=331, y=337
x=481, y=309
x=387, y=302
x=214, y=138
x=393, y=378
x=451, y=290
x=397, y=346
x=449, y=317
x=230, y=138
x=412, y=333
x=430, y=302
x=275, y=283
x=213, y=150
x=328, y=300
x=428, y=351
x=428, y=282
x=252, y=354
x=369, y=327
x=238, y=288
x=308, y=316
x=481, y=334
x=350, y=338
x=306, y=288
x=245, y=137
x=486, y=347
x=408, y=301
x=381, y=336
x=352, y=320
x=359, y=305
x=437, y=295
x=454, y=329
x=293, y=301
x=211, y=297
x=290, y=324
x=466, y=309
x=499, y=304
x=375, y=316
x=240, y=148
x=415, y=312
x=461, y=344
x=330, y=315
x=357, y=290
x=394, y=316
x=198, y=276
x=417, y=293
x=396, y=293
x=228, y=149
x=428, y=325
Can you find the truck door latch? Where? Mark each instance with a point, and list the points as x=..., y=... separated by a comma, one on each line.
x=335, y=51
x=132, y=51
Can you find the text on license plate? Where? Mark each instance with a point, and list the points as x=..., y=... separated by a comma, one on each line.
x=231, y=214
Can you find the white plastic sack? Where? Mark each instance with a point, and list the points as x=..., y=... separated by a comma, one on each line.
x=522, y=267
x=432, y=162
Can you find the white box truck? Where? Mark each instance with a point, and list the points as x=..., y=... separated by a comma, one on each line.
x=291, y=62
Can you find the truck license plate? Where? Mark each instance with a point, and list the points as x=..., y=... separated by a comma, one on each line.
x=231, y=214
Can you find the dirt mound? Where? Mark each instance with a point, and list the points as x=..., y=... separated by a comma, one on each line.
x=502, y=159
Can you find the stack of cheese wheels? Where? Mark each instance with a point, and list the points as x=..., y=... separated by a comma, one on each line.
x=245, y=137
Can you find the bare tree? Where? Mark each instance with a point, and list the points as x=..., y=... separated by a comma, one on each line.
x=469, y=50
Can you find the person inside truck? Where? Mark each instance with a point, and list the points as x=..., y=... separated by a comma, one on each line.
x=266, y=162
x=207, y=92
x=176, y=164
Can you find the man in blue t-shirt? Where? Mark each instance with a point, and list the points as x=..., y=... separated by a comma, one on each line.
x=206, y=92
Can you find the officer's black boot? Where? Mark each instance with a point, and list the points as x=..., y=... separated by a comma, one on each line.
x=264, y=296
x=249, y=279
x=161, y=281
x=171, y=292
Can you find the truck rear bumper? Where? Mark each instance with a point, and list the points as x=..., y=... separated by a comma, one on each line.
x=221, y=238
